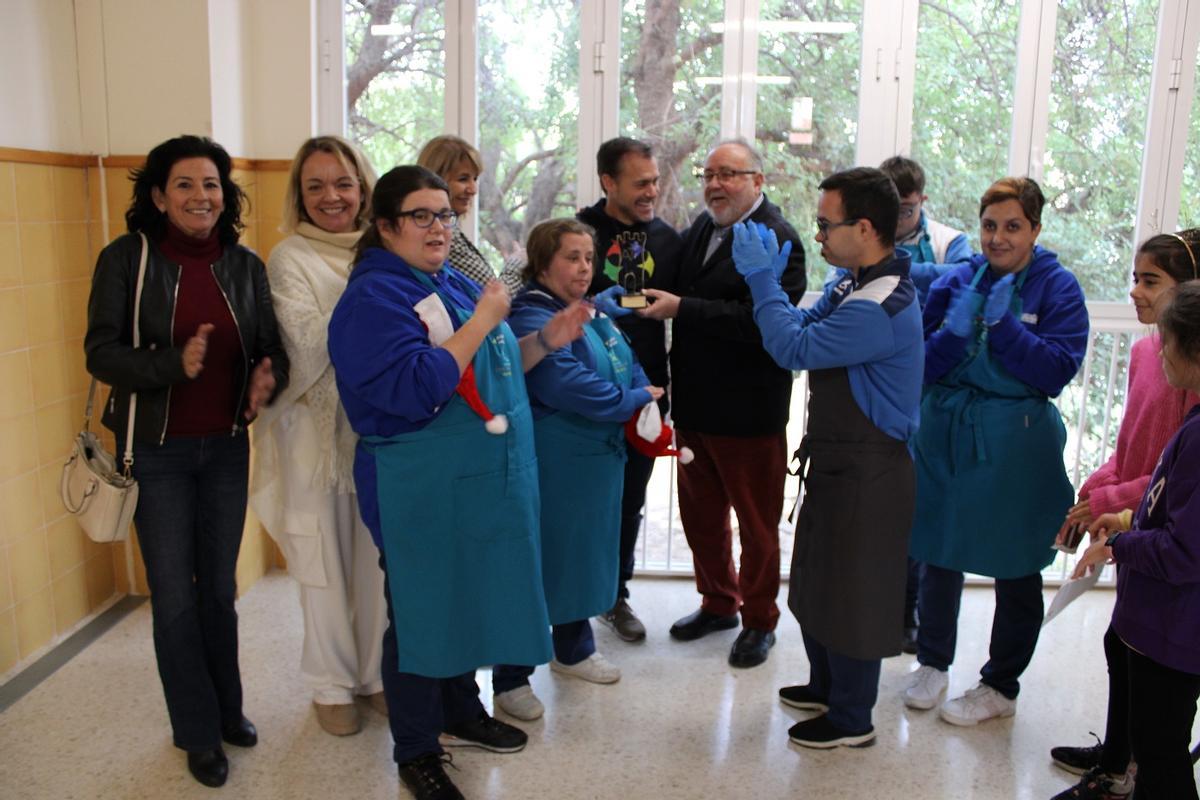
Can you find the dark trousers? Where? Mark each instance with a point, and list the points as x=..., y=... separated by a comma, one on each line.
x=850, y=685
x=190, y=513
x=1151, y=710
x=573, y=642
x=633, y=496
x=744, y=474
x=1015, y=625
x=419, y=707
x=912, y=587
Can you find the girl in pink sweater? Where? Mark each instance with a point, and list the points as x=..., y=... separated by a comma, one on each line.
x=1153, y=412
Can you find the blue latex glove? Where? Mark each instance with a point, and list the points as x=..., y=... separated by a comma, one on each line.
x=606, y=302
x=750, y=253
x=771, y=242
x=960, y=316
x=999, y=300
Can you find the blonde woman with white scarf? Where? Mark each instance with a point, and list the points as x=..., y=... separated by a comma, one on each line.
x=302, y=487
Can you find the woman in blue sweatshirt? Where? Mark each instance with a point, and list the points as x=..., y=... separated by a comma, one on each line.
x=1005, y=332
x=1156, y=620
x=420, y=352
x=581, y=396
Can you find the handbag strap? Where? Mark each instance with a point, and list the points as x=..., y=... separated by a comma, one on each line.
x=127, y=459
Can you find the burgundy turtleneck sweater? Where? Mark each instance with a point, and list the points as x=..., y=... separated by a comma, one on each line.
x=204, y=405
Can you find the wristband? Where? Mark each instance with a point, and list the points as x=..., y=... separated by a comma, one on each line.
x=1111, y=540
x=541, y=339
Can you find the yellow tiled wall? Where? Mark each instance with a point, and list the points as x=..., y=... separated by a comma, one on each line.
x=52, y=576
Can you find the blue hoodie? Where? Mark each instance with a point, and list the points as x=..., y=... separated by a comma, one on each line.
x=566, y=380
x=1044, y=348
x=391, y=378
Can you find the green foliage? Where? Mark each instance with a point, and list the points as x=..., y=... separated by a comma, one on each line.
x=1189, y=193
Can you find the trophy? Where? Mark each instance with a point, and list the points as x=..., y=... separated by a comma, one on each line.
x=629, y=264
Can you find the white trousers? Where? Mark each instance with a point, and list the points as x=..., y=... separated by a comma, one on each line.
x=344, y=620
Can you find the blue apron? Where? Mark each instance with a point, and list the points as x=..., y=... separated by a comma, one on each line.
x=991, y=484
x=581, y=473
x=458, y=507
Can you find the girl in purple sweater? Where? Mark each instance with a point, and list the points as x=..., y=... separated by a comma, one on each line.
x=1153, y=412
x=1154, y=638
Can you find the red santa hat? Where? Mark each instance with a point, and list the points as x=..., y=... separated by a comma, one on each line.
x=652, y=437
x=468, y=390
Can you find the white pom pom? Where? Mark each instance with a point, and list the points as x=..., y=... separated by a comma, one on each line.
x=686, y=456
x=497, y=424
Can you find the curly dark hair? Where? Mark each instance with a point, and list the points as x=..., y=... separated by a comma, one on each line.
x=143, y=216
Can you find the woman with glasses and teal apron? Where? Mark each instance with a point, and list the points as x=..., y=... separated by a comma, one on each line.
x=423, y=357
x=581, y=397
x=1005, y=332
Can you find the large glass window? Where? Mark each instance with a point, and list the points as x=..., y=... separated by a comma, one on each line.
x=1098, y=91
x=528, y=116
x=1189, y=192
x=671, y=92
x=807, y=105
x=962, y=103
x=395, y=76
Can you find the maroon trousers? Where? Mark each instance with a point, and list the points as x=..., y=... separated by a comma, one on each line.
x=745, y=474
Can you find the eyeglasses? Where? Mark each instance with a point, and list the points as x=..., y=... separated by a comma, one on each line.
x=823, y=225
x=907, y=212
x=424, y=217
x=722, y=175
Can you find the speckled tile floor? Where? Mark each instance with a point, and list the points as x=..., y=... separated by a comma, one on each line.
x=680, y=724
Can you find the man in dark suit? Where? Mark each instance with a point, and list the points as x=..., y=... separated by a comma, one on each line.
x=730, y=403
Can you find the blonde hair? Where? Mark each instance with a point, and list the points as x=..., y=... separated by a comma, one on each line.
x=442, y=154
x=352, y=160
x=1025, y=191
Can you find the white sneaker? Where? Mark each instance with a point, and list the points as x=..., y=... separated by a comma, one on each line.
x=520, y=702
x=925, y=687
x=595, y=669
x=980, y=703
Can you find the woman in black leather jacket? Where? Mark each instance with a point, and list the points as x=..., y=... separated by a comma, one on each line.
x=209, y=357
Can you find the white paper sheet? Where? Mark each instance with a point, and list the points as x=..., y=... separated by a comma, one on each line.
x=1070, y=590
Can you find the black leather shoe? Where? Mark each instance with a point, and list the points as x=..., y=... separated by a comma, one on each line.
x=241, y=733
x=751, y=648
x=210, y=767
x=426, y=778
x=701, y=623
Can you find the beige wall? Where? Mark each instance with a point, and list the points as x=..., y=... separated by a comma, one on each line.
x=39, y=91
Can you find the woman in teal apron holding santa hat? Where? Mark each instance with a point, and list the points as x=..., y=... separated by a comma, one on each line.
x=1004, y=333
x=581, y=398
x=431, y=378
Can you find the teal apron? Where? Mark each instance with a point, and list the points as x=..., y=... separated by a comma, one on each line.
x=991, y=485
x=581, y=473
x=458, y=507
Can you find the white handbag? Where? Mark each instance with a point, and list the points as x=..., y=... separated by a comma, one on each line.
x=100, y=496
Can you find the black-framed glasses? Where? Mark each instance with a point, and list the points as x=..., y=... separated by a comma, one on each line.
x=424, y=217
x=722, y=175
x=823, y=225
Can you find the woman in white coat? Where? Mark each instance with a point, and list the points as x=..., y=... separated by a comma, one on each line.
x=303, y=487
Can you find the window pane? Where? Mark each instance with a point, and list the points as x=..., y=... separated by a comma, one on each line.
x=394, y=77
x=528, y=116
x=1189, y=191
x=807, y=107
x=962, y=103
x=1098, y=93
x=671, y=94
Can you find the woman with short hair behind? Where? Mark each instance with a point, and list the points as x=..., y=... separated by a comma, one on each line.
x=303, y=484
x=209, y=360
x=1004, y=333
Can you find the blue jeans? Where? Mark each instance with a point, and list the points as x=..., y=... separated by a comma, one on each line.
x=1015, y=625
x=573, y=642
x=419, y=707
x=190, y=513
x=850, y=686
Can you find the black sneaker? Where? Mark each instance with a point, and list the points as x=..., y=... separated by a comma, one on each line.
x=803, y=698
x=485, y=732
x=1097, y=785
x=1078, y=760
x=426, y=778
x=822, y=734
x=624, y=622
